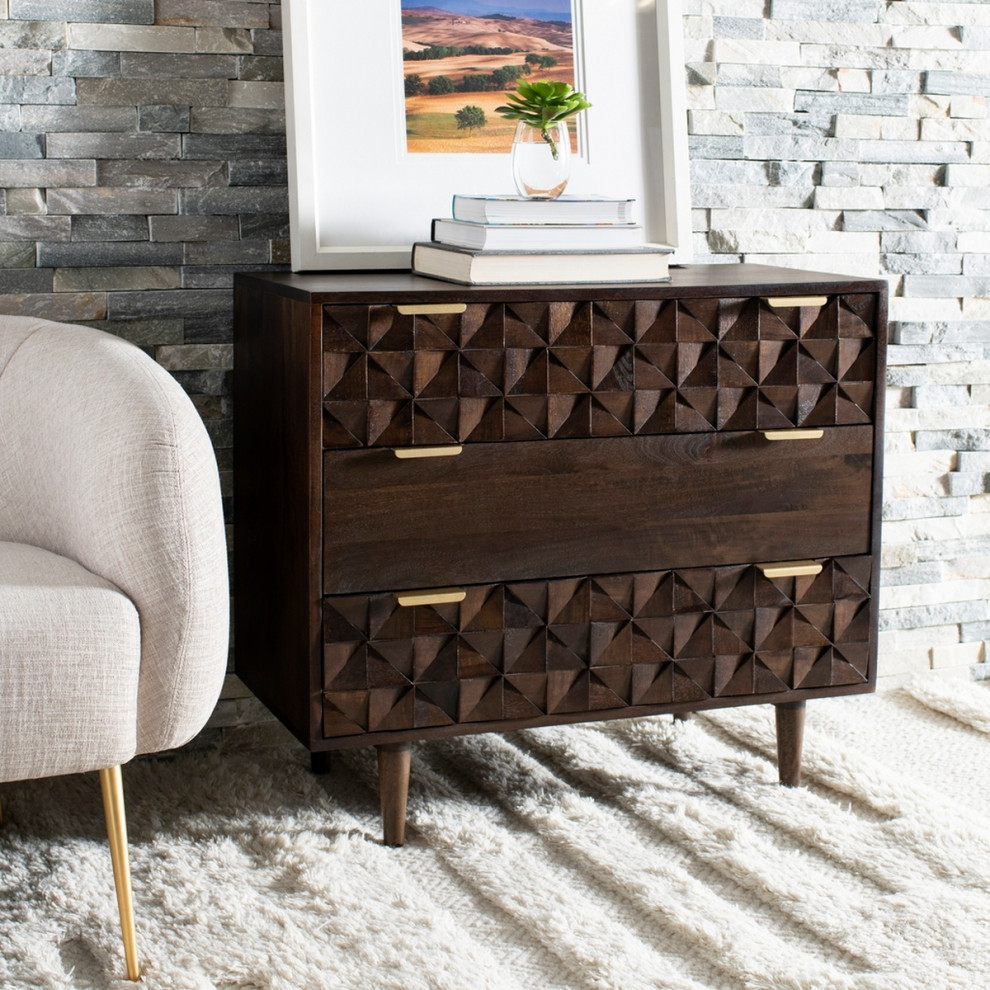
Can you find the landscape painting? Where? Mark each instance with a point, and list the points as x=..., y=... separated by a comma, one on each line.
x=460, y=57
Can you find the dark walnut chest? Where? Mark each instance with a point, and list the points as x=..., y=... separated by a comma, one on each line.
x=479, y=509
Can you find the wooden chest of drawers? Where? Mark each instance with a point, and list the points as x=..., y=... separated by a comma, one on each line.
x=474, y=509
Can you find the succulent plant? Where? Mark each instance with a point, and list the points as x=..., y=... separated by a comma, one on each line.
x=542, y=103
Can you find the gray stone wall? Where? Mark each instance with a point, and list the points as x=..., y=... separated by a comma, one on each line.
x=142, y=162
x=852, y=136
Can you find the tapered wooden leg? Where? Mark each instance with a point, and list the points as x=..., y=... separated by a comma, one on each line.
x=683, y=716
x=790, y=739
x=113, y=807
x=393, y=783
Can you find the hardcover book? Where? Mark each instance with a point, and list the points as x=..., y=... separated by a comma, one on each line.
x=467, y=267
x=563, y=209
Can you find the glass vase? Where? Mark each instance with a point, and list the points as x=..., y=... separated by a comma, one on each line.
x=541, y=160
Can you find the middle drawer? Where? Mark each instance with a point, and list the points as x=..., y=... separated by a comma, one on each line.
x=513, y=511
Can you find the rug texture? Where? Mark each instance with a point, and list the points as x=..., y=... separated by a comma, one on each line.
x=619, y=856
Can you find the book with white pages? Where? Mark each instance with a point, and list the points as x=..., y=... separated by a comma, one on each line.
x=563, y=209
x=535, y=236
x=452, y=264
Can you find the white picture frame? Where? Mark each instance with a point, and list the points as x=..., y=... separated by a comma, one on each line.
x=358, y=199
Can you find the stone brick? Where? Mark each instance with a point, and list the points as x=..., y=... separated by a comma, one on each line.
x=809, y=78
x=230, y=146
x=933, y=615
x=25, y=62
x=162, y=174
x=33, y=228
x=112, y=145
x=50, y=119
x=145, y=333
x=131, y=38
x=825, y=10
x=264, y=225
x=102, y=11
x=968, y=106
x=80, y=64
x=109, y=255
x=196, y=357
x=169, y=119
x=65, y=307
x=933, y=37
x=194, y=228
x=179, y=302
x=849, y=198
x=921, y=264
x=109, y=227
x=235, y=252
x=37, y=89
x=896, y=81
x=172, y=65
x=21, y=145
x=757, y=52
x=212, y=13
x=25, y=201
x=859, y=127
x=258, y=172
x=949, y=286
x=914, y=198
x=967, y=484
x=812, y=124
x=955, y=83
x=26, y=280
x=955, y=129
x=43, y=34
x=882, y=220
x=953, y=440
x=17, y=254
x=261, y=95
x=224, y=120
x=112, y=201
x=918, y=242
x=899, y=129
x=265, y=199
x=754, y=99
x=153, y=92
x=234, y=41
x=115, y=279
x=731, y=74
x=892, y=576
x=752, y=28
x=259, y=68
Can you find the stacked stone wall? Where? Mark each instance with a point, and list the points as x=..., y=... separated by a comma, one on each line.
x=142, y=162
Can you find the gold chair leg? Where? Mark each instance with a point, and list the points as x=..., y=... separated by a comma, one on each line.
x=113, y=807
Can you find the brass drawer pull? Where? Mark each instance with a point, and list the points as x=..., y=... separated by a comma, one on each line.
x=409, y=453
x=794, y=434
x=791, y=568
x=784, y=302
x=430, y=596
x=431, y=309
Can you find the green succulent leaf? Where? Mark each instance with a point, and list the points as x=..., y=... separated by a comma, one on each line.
x=541, y=102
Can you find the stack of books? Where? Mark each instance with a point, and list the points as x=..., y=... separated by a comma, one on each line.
x=497, y=240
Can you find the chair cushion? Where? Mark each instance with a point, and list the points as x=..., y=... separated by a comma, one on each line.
x=70, y=651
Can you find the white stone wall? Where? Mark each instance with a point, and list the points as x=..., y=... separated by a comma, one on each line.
x=852, y=136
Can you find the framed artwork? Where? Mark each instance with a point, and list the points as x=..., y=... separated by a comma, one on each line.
x=390, y=112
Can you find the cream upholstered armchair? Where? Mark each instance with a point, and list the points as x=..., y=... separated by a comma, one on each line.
x=113, y=575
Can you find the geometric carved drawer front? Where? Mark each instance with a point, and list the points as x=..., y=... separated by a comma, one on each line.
x=526, y=650
x=539, y=370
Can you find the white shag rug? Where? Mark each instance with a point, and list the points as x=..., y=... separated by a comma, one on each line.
x=619, y=856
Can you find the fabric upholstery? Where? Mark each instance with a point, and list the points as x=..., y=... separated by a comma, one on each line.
x=105, y=461
x=70, y=652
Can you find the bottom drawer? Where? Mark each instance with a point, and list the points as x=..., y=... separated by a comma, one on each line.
x=534, y=651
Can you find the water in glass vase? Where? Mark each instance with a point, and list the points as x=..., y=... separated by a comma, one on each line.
x=541, y=160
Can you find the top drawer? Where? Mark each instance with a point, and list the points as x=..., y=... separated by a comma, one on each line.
x=535, y=370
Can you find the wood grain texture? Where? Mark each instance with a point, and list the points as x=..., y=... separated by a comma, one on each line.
x=523, y=651
x=529, y=370
x=500, y=512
